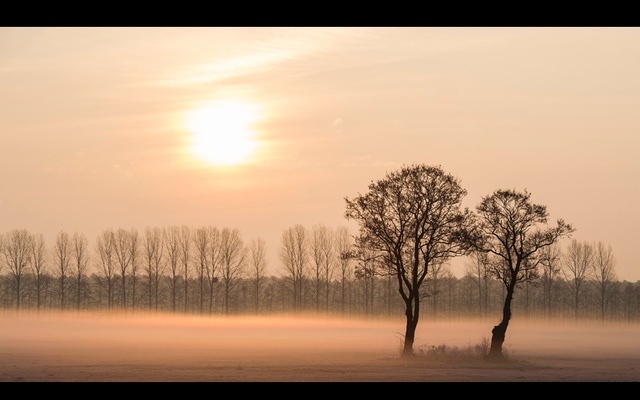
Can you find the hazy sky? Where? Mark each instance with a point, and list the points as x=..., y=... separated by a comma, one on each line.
x=95, y=128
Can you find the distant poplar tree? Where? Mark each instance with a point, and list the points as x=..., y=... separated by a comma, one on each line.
x=294, y=254
x=38, y=265
x=17, y=250
x=62, y=253
x=605, y=273
x=258, y=269
x=81, y=262
x=577, y=270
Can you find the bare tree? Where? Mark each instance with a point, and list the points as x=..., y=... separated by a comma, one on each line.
x=550, y=258
x=605, y=273
x=411, y=216
x=201, y=243
x=153, y=245
x=294, y=254
x=322, y=257
x=434, y=275
x=185, y=259
x=38, y=264
x=344, y=249
x=258, y=269
x=122, y=250
x=172, y=243
x=17, y=250
x=508, y=230
x=233, y=256
x=62, y=251
x=81, y=259
x=477, y=267
x=134, y=249
x=215, y=261
x=105, y=247
x=577, y=269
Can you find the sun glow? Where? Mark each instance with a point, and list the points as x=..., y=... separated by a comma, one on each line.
x=221, y=132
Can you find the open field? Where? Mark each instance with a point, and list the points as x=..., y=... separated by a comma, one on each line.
x=83, y=347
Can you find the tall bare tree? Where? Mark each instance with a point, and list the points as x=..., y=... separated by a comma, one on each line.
x=214, y=264
x=38, y=264
x=550, y=261
x=434, y=276
x=134, y=250
x=322, y=257
x=258, y=269
x=233, y=256
x=605, y=273
x=81, y=261
x=17, y=250
x=411, y=215
x=122, y=251
x=153, y=245
x=511, y=230
x=294, y=254
x=63, y=254
x=201, y=243
x=577, y=269
x=105, y=247
x=172, y=245
x=185, y=259
x=477, y=267
x=344, y=249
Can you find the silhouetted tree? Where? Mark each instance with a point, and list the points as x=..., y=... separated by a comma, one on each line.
x=201, y=243
x=605, y=274
x=577, y=269
x=105, y=244
x=214, y=265
x=38, y=264
x=62, y=251
x=411, y=216
x=477, y=267
x=16, y=249
x=294, y=253
x=153, y=245
x=134, y=249
x=322, y=257
x=344, y=247
x=233, y=257
x=172, y=243
x=550, y=257
x=122, y=251
x=81, y=260
x=185, y=259
x=433, y=276
x=507, y=228
x=258, y=269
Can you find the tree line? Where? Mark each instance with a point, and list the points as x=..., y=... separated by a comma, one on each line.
x=411, y=225
x=316, y=275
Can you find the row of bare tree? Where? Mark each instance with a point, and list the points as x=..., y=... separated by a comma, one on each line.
x=127, y=270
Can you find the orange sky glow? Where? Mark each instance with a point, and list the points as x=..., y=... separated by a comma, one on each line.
x=109, y=127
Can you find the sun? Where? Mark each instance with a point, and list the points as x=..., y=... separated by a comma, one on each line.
x=221, y=132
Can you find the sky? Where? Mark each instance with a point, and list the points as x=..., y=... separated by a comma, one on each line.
x=113, y=127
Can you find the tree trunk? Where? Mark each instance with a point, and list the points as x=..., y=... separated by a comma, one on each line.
x=409, y=336
x=412, y=311
x=498, y=333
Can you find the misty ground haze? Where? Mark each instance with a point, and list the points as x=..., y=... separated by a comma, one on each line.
x=140, y=347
